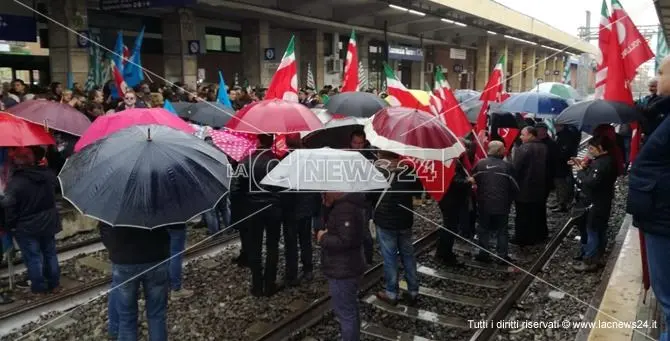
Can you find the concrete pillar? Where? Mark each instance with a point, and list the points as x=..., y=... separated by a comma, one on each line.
x=517, y=66
x=552, y=67
x=311, y=52
x=483, y=66
x=255, y=39
x=541, y=65
x=560, y=66
x=363, y=53
x=179, y=28
x=503, y=50
x=64, y=55
x=530, y=68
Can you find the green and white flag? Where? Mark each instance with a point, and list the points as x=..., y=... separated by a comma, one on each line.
x=310, y=77
x=661, y=48
x=362, y=77
x=566, y=70
x=96, y=68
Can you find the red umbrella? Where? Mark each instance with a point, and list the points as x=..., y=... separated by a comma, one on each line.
x=53, y=115
x=108, y=124
x=20, y=133
x=414, y=133
x=274, y=116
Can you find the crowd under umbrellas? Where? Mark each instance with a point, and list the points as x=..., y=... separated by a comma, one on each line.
x=143, y=168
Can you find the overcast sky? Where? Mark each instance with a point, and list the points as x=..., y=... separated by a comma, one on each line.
x=569, y=15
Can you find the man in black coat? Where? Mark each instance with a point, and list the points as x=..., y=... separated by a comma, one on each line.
x=553, y=153
x=261, y=207
x=530, y=164
x=496, y=191
x=452, y=206
x=31, y=215
x=567, y=140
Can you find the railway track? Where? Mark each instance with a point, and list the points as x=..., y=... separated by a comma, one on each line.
x=20, y=315
x=297, y=325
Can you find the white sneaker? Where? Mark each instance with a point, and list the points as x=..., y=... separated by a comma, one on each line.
x=183, y=293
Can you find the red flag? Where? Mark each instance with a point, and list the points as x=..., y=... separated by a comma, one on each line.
x=508, y=135
x=435, y=176
x=284, y=83
x=121, y=86
x=633, y=46
x=493, y=92
x=350, y=82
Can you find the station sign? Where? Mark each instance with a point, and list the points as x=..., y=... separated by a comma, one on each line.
x=458, y=53
x=18, y=28
x=405, y=53
x=269, y=54
x=110, y=5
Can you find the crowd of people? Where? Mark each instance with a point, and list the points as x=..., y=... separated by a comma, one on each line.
x=339, y=223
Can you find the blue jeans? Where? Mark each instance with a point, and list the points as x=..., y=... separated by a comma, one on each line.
x=493, y=223
x=124, y=302
x=344, y=294
x=211, y=218
x=596, y=233
x=392, y=242
x=177, y=246
x=658, y=253
x=39, y=255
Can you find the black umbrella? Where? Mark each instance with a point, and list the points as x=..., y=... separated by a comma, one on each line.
x=588, y=115
x=146, y=176
x=213, y=114
x=357, y=104
x=335, y=134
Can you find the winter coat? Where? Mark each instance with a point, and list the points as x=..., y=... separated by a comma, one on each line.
x=567, y=141
x=597, y=184
x=553, y=154
x=530, y=165
x=342, y=246
x=390, y=214
x=30, y=202
x=458, y=193
x=649, y=183
x=247, y=193
x=127, y=245
x=496, y=187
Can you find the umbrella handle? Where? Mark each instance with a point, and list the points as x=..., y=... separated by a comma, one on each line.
x=148, y=134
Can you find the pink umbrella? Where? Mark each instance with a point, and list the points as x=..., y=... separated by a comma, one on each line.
x=235, y=144
x=108, y=124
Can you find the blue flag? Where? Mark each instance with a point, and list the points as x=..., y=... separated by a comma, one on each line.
x=223, y=92
x=132, y=71
x=168, y=106
x=117, y=57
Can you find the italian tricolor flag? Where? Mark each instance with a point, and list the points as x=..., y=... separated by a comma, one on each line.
x=284, y=83
x=601, y=59
x=398, y=95
x=493, y=91
x=350, y=82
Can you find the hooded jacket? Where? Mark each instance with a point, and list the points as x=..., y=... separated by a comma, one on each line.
x=30, y=202
x=342, y=246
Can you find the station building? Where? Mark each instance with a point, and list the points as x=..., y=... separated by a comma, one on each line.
x=191, y=40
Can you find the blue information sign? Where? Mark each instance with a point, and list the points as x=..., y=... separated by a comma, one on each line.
x=405, y=53
x=17, y=28
x=107, y=5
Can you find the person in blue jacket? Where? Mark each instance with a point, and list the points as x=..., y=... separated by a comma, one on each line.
x=649, y=202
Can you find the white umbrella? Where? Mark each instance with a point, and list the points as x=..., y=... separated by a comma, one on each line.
x=326, y=169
